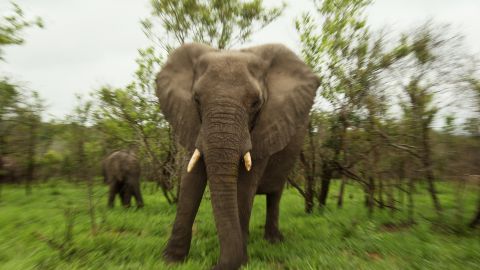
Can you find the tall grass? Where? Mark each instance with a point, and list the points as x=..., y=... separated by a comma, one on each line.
x=50, y=229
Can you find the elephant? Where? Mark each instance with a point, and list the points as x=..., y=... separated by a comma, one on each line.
x=9, y=170
x=226, y=106
x=121, y=171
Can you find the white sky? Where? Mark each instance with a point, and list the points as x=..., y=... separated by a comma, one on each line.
x=89, y=43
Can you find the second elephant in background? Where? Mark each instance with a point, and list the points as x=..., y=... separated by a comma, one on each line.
x=9, y=170
x=121, y=171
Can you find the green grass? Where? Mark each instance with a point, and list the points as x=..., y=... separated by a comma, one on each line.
x=32, y=229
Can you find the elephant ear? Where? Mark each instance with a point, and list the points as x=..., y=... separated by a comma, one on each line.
x=174, y=91
x=290, y=87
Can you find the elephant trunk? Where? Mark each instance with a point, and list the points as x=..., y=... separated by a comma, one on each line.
x=223, y=145
x=222, y=176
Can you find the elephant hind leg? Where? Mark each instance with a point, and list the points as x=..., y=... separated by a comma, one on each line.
x=272, y=231
x=114, y=189
x=126, y=195
x=137, y=194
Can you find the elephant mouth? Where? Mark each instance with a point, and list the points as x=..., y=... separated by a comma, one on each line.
x=247, y=160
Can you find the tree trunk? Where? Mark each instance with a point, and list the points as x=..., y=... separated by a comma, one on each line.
x=343, y=143
x=459, y=204
x=375, y=178
x=341, y=192
x=380, y=193
x=391, y=195
x=401, y=191
x=411, y=206
x=309, y=171
x=428, y=167
x=3, y=143
x=309, y=184
x=161, y=173
x=324, y=189
x=370, y=195
x=169, y=171
x=30, y=156
x=325, y=184
x=400, y=183
x=85, y=175
x=291, y=182
x=309, y=194
x=91, y=205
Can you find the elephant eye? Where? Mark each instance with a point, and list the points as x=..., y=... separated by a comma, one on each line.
x=196, y=98
x=256, y=104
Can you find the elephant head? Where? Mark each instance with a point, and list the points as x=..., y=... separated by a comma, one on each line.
x=225, y=106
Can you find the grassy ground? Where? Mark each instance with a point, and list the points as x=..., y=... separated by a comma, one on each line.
x=33, y=232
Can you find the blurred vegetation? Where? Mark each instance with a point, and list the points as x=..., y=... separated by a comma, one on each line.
x=382, y=96
x=389, y=176
x=12, y=26
x=222, y=24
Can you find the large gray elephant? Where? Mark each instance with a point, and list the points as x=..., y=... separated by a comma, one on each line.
x=121, y=171
x=228, y=106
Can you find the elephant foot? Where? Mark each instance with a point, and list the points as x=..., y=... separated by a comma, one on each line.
x=274, y=236
x=175, y=252
x=173, y=257
x=231, y=265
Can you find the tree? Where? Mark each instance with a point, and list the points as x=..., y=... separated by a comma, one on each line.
x=11, y=27
x=14, y=112
x=473, y=126
x=220, y=23
x=30, y=117
x=80, y=139
x=350, y=60
x=324, y=50
x=437, y=67
x=9, y=100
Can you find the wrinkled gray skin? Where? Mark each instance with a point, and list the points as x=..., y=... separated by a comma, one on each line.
x=226, y=103
x=9, y=170
x=121, y=171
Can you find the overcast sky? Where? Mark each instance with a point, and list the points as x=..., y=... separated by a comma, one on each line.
x=88, y=43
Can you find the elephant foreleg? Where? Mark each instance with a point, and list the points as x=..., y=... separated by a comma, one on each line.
x=246, y=189
x=192, y=187
x=126, y=195
x=112, y=193
x=137, y=194
x=272, y=231
x=245, y=196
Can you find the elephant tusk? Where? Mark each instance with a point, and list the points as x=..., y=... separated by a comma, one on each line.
x=248, y=161
x=193, y=160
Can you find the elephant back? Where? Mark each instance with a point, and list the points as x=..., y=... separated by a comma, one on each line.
x=120, y=165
